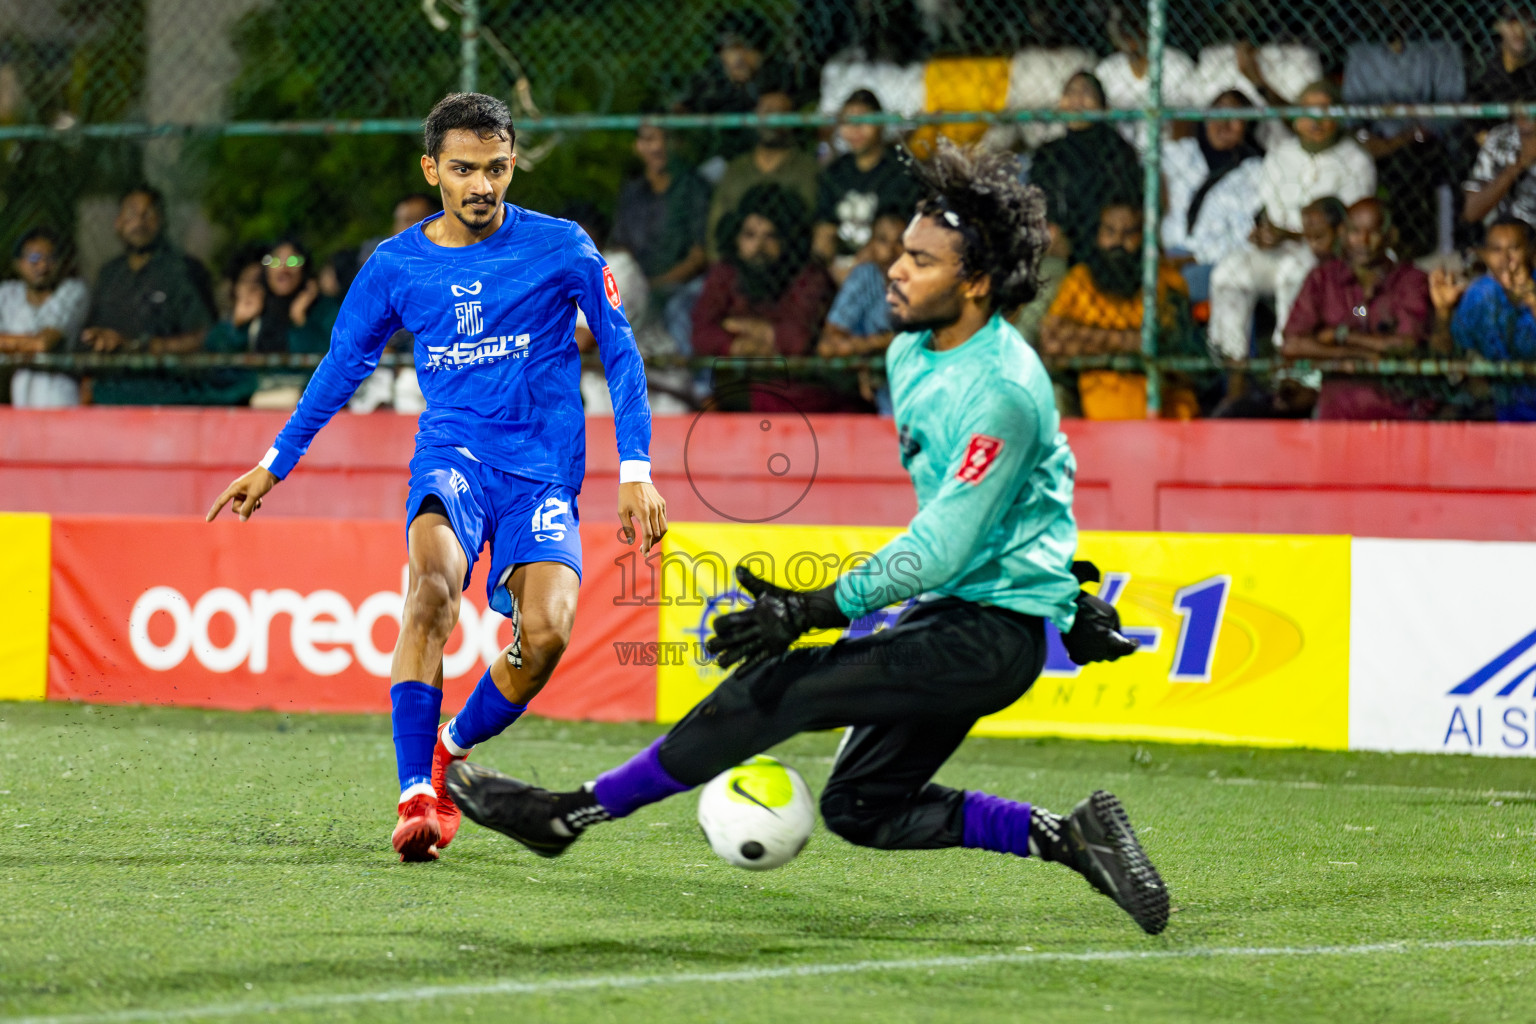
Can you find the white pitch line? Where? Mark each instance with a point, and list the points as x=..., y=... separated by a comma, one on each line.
x=634, y=981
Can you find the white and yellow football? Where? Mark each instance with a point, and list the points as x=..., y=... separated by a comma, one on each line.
x=757, y=815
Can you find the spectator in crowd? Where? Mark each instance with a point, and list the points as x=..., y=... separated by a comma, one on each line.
x=1510, y=74
x=1124, y=74
x=661, y=216
x=412, y=209
x=741, y=74
x=1098, y=311
x=1412, y=157
x=776, y=159
x=859, y=322
x=41, y=311
x=1320, y=161
x=1085, y=169
x=854, y=187
x=390, y=387
x=1212, y=186
x=1365, y=306
x=337, y=274
x=767, y=297
x=1494, y=317
x=146, y=301
x=1501, y=183
x=279, y=309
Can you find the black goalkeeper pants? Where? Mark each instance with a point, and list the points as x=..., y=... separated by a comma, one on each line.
x=910, y=694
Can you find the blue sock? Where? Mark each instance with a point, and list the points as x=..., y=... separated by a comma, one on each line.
x=993, y=823
x=485, y=714
x=639, y=781
x=416, y=710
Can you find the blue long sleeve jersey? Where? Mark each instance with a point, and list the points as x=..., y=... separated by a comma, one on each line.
x=496, y=355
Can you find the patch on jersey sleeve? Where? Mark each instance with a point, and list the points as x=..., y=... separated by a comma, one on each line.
x=611, y=286
x=979, y=456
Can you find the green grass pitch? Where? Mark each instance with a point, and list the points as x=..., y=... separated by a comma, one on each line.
x=172, y=864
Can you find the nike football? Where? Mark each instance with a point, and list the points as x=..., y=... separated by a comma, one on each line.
x=758, y=815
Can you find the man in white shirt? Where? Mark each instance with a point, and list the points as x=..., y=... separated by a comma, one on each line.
x=40, y=313
x=1126, y=76
x=1320, y=161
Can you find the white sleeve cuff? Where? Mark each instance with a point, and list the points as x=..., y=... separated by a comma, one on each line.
x=269, y=458
x=634, y=471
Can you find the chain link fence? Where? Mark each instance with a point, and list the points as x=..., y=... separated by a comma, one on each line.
x=260, y=119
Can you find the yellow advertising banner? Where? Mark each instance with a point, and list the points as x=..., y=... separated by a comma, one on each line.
x=24, y=552
x=1245, y=638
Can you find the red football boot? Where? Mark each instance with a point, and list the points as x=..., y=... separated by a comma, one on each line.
x=447, y=811
x=417, y=834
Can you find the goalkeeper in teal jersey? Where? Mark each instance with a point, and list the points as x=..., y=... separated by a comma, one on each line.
x=988, y=559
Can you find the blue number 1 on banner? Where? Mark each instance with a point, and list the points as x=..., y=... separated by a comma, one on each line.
x=1202, y=606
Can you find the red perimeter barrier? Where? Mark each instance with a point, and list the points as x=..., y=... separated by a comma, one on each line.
x=1470, y=481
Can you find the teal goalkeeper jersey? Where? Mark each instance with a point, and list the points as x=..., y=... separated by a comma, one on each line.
x=980, y=438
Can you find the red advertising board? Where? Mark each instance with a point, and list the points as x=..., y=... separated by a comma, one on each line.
x=301, y=615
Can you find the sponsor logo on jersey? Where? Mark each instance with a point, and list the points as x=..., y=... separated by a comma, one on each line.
x=480, y=350
x=459, y=290
x=468, y=316
x=979, y=456
x=611, y=287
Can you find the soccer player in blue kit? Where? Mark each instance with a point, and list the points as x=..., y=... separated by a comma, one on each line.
x=490, y=292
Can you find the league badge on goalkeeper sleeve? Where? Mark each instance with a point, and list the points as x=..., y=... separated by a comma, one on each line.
x=776, y=619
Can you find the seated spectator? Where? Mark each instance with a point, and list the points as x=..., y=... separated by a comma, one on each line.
x=391, y=387
x=39, y=312
x=854, y=187
x=1053, y=268
x=337, y=274
x=766, y=298
x=1320, y=161
x=1124, y=77
x=1212, y=185
x=1364, y=306
x=1510, y=74
x=661, y=216
x=412, y=209
x=278, y=310
x=741, y=74
x=859, y=322
x=776, y=160
x=1501, y=183
x=1098, y=310
x=146, y=301
x=1412, y=157
x=1085, y=169
x=1495, y=317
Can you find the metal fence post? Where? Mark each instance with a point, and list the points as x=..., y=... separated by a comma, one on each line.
x=1152, y=197
x=469, y=47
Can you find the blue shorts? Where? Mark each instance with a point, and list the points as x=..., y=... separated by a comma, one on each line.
x=524, y=520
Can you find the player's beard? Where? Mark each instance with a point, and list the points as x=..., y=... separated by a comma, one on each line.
x=1115, y=271
x=935, y=316
x=471, y=221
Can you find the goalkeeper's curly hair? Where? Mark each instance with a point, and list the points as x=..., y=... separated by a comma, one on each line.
x=978, y=192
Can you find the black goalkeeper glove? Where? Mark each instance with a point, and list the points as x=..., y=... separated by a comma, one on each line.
x=1095, y=634
x=775, y=620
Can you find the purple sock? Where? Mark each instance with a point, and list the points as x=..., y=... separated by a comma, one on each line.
x=485, y=714
x=414, y=717
x=639, y=781
x=993, y=823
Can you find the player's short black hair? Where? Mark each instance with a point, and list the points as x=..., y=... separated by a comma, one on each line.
x=155, y=196
x=979, y=194
x=484, y=115
x=32, y=235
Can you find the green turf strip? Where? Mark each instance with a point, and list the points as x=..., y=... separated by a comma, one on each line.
x=163, y=860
